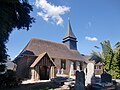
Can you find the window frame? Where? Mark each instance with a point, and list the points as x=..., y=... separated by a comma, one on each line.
x=63, y=64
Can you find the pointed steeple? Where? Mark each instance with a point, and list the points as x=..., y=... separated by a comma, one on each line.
x=70, y=39
x=69, y=32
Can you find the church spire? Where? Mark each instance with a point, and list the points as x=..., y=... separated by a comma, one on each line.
x=70, y=39
x=69, y=32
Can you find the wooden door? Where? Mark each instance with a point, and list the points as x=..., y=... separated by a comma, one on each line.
x=44, y=73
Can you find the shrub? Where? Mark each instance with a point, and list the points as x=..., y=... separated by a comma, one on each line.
x=9, y=79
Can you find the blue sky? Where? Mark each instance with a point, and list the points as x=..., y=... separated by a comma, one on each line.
x=92, y=21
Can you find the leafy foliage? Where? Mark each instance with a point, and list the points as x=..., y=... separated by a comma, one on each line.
x=98, y=57
x=2, y=67
x=13, y=14
x=110, y=58
x=106, y=56
x=116, y=61
x=115, y=67
x=9, y=79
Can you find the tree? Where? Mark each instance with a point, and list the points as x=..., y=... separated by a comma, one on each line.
x=105, y=57
x=110, y=58
x=108, y=54
x=116, y=61
x=115, y=67
x=13, y=14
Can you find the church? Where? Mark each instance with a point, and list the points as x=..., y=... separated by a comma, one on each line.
x=44, y=59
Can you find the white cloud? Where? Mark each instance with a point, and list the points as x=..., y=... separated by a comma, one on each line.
x=49, y=11
x=91, y=38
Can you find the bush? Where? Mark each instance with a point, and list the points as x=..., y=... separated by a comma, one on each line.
x=2, y=67
x=9, y=79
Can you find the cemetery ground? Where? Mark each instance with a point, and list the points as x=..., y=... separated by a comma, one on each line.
x=37, y=85
x=45, y=85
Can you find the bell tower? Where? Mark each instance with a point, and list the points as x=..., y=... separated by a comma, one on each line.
x=69, y=39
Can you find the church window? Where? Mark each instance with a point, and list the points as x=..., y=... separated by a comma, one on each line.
x=63, y=64
x=74, y=65
x=81, y=65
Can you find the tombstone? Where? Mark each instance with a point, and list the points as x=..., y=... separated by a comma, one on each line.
x=105, y=77
x=78, y=77
x=62, y=71
x=80, y=80
x=85, y=71
x=10, y=65
x=58, y=71
x=79, y=86
x=71, y=70
x=78, y=66
x=90, y=74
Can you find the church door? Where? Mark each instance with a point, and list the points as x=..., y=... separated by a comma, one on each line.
x=44, y=73
x=43, y=65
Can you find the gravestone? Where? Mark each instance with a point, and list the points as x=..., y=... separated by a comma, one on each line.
x=71, y=73
x=77, y=80
x=62, y=71
x=82, y=77
x=58, y=71
x=90, y=74
x=80, y=80
x=79, y=86
x=105, y=77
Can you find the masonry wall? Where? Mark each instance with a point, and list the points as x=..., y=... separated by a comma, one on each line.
x=67, y=67
x=23, y=66
x=58, y=65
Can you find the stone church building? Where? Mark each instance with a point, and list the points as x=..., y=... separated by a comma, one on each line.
x=43, y=59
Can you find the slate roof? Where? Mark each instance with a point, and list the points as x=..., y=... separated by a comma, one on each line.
x=55, y=50
x=69, y=32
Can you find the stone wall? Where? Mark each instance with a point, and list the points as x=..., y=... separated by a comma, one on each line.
x=23, y=66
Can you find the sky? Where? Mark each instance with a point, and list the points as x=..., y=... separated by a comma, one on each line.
x=92, y=22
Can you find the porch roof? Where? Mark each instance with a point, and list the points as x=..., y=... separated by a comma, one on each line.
x=39, y=58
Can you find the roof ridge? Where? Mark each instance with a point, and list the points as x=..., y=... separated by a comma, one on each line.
x=55, y=49
x=47, y=41
x=27, y=45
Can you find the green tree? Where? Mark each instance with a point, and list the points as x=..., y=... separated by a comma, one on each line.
x=105, y=57
x=116, y=61
x=108, y=54
x=110, y=58
x=13, y=14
